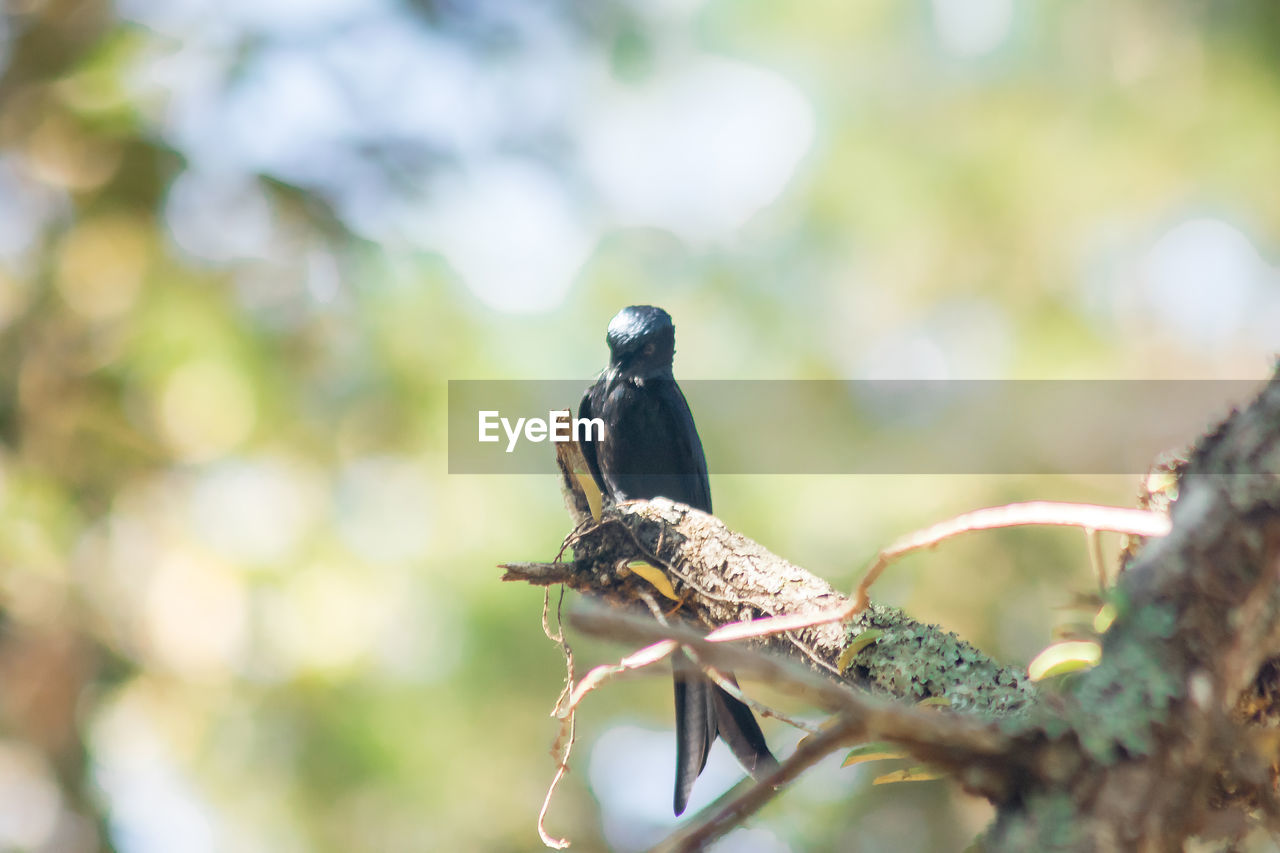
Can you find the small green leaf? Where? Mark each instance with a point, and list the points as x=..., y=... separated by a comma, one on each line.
x=856, y=645
x=919, y=773
x=1105, y=617
x=1064, y=657
x=870, y=752
x=654, y=576
x=591, y=491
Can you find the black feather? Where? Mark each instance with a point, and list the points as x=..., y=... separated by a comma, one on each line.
x=650, y=448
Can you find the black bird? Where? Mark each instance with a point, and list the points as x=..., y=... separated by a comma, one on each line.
x=650, y=448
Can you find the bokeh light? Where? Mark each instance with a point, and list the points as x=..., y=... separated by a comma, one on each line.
x=244, y=245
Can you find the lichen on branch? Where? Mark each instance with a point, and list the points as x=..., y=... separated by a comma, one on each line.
x=1172, y=735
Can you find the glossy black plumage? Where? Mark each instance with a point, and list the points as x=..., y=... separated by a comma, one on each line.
x=651, y=449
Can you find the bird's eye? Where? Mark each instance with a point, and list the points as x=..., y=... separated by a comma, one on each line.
x=649, y=349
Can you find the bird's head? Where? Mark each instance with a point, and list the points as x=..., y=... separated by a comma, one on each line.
x=642, y=341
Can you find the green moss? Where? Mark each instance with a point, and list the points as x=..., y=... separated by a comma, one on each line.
x=914, y=661
x=1048, y=822
x=1120, y=704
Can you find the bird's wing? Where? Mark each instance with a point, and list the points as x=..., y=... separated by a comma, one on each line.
x=651, y=446
x=590, y=408
x=686, y=448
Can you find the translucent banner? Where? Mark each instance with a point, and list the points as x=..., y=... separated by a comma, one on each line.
x=867, y=426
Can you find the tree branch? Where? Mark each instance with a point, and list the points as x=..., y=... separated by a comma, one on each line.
x=1170, y=736
x=723, y=577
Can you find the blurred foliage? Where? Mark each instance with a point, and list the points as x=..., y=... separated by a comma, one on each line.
x=243, y=246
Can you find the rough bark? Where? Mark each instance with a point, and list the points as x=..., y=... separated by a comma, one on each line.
x=1172, y=735
x=722, y=576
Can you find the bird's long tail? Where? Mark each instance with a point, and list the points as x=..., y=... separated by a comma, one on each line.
x=704, y=710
